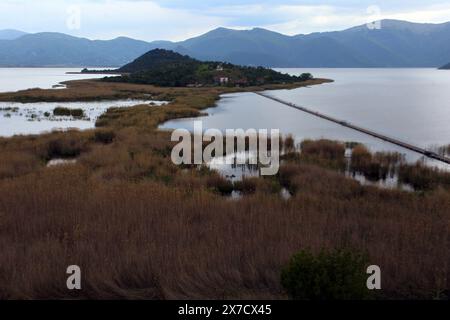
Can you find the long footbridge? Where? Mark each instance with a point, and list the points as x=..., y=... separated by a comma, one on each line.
x=427, y=153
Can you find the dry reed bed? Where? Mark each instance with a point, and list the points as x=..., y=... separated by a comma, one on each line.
x=141, y=227
x=151, y=239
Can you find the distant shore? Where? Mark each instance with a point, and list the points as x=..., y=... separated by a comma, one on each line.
x=96, y=72
x=94, y=90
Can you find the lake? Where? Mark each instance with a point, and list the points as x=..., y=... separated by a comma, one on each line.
x=412, y=105
x=34, y=118
x=409, y=104
x=14, y=79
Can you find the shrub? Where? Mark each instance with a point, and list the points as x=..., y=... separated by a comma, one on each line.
x=66, y=112
x=60, y=111
x=423, y=178
x=333, y=275
x=63, y=147
x=104, y=136
x=374, y=167
x=306, y=77
x=220, y=184
x=361, y=156
x=77, y=113
x=362, y=161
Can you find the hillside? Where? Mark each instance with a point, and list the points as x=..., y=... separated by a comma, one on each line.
x=10, y=34
x=446, y=67
x=396, y=44
x=57, y=49
x=155, y=59
x=168, y=68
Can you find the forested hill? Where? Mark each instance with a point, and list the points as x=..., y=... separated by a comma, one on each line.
x=154, y=59
x=167, y=68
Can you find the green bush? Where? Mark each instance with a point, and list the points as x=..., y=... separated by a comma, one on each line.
x=77, y=113
x=66, y=112
x=333, y=275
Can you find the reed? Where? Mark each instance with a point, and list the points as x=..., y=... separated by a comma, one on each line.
x=156, y=239
x=141, y=227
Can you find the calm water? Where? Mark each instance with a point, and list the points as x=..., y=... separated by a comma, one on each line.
x=34, y=118
x=13, y=79
x=410, y=104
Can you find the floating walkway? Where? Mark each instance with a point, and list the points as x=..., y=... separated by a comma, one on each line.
x=427, y=153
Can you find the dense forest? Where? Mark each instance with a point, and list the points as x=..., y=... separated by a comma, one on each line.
x=170, y=69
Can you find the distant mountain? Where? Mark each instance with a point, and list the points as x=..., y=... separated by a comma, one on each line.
x=168, y=68
x=57, y=49
x=446, y=67
x=10, y=34
x=396, y=44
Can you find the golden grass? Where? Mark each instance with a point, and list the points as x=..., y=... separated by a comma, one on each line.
x=157, y=239
x=141, y=227
x=94, y=90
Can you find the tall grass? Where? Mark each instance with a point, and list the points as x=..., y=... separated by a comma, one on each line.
x=422, y=177
x=150, y=239
x=141, y=227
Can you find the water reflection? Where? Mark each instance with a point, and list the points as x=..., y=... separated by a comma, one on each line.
x=236, y=166
x=413, y=107
x=386, y=177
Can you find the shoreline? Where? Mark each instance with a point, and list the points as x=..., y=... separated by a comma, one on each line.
x=81, y=90
x=183, y=102
x=93, y=72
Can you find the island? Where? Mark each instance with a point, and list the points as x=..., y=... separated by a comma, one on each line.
x=167, y=68
x=446, y=67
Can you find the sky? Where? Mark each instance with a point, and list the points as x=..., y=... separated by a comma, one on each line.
x=178, y=20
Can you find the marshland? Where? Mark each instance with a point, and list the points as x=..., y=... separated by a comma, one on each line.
x=141, y=227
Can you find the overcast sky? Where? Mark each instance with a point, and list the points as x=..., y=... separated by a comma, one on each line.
x=179, y=20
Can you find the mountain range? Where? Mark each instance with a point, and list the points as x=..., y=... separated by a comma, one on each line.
x=9, y=34
x=395, y=44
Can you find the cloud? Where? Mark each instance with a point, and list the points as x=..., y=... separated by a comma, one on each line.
x=178, y=20
x=434, y=14
x=297, y=19
x=104, y=19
